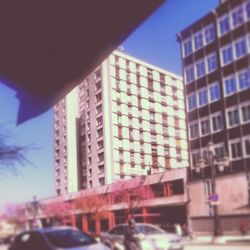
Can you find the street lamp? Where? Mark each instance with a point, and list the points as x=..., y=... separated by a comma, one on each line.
x=213, y=161
x=33, y=208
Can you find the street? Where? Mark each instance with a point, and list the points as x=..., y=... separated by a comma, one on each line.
x=226, y=247
x=197, y=247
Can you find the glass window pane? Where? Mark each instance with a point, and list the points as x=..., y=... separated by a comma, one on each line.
x=230, y=86
x=240, y=48
x=227, y=55
x=238, y=16
x=244, y=79
x=212, y=62
x=209, y=34
x=214, y=92
x=198, y=41
x=224, y=25
x=203, y=97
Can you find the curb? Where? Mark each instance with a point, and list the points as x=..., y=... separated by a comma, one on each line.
x=229, y=242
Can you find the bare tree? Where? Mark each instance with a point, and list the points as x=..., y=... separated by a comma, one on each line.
x=12, y=156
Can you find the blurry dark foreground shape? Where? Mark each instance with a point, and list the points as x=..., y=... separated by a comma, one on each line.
x=48, y=46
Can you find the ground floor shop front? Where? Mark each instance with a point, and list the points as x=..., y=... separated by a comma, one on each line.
x=166, y=217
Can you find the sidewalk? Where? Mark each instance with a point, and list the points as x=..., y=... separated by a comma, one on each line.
x=220, y=240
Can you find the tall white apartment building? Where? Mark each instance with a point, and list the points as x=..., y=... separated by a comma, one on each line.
x=127, y=118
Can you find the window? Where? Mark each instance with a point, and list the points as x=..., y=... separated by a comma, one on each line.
x=131, y=133
x=99, y=97
x=224, y=25
x=89, y=138
x=198, y=40
x=100, y=157
x=240, y=48
x=217, y=123
x=99, y=109
x=227, y=54
x=219, y=150
x=229, y=86
x=120, y=131
x=238, y=16
x=166, y=150
x=152, y=115
x=244, y=79
x=100, y=132
x=99, y=121
x=164, y=118
x=194, y=130
x=195, y=156
x=165, y=131
x=89, y=160
x=205, y=127
x=211, y=63
x=187, y=46
x=150, y=84
x=200, y=69
x=132, y=157
x=245, y=112
x=209, y=34
x=119, y=230
x=192, y=102
x=101, y=181
x=189, y=74
x=235, y=150
x=247, y=146
x=233, y=117
x=97, y=74
x=214, y=91
x=203, y=97
x=90, y=172
x=98, y=85
x=248, y=9
x=100, y=144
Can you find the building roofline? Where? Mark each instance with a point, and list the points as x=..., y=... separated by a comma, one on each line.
x=139, y=61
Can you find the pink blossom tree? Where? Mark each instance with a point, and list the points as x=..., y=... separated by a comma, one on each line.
x=15, y=215
x=93, y=204
x=132, y=193
x=57, y=211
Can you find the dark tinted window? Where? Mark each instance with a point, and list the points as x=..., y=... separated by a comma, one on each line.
x=30, y=241
x=145, y=229
x=68, y=238
x=117, y=230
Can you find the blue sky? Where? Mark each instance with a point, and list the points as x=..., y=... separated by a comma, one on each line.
x=154, y=41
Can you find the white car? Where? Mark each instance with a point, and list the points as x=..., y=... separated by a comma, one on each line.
x=151, y=238
x=56, y=238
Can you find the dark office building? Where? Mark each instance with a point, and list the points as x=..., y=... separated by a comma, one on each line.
x=216, y=58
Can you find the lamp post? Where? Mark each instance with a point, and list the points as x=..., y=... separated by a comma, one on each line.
x=33, y=208
x=213, y=161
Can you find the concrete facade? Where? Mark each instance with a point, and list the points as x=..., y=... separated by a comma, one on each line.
x=232, y=206
x=216, y=59
x=128, y=120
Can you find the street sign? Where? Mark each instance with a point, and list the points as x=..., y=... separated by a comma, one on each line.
x=213, y=199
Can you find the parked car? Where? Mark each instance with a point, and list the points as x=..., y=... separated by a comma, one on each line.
x=55, y=238
x=153, y=238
